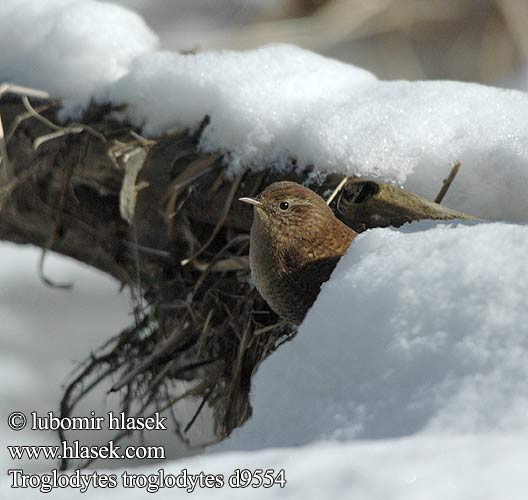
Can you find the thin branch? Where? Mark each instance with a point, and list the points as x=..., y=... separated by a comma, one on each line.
x=220, y=223
x=73, y=128
x=7, y=170
x=200, y=408
x=337, y=190
x=5, y=88
x=22, y=91
x=448, y=182
x=23, y=117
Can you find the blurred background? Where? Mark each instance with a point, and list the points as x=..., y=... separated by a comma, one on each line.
x=471, y=40
x=44, y=331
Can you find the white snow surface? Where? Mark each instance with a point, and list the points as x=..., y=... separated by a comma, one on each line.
x=425, y=467
x=281, y=102
x=423, y=329
x=69, y=48
x=408, y=377
x=275, y=103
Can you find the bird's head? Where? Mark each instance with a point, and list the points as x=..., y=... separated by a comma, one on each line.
x=289, y=208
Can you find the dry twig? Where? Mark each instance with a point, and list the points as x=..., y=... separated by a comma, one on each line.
x=447, y=182
x=336, y=191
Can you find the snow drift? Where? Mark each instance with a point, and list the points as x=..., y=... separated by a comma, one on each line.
x=70, y=48
x=421, y=334
x=279, y=102
x=427, y=467
x=423, y=329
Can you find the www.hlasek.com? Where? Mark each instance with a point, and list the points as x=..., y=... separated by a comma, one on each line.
x=78, y=479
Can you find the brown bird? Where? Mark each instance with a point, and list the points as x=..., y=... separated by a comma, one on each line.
x=296, y=241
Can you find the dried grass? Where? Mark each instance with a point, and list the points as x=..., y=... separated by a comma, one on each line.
x=196, y=319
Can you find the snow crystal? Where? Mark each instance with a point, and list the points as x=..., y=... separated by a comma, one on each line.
x=423, y=329
x=255, y=99
x=70, y=48
x=279, y=102
x=420, y=334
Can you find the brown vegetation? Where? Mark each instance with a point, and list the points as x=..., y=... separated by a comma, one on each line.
x=161, y=217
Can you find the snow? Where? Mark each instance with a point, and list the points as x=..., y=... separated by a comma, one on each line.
x=279, y=102
x=252, y=90
x=423, y=329
x=65, y=326
x=70, y=48
x=407, y=378
x=44, y=333
x=432, y=467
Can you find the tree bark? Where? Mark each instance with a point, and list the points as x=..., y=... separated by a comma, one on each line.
x=161, y=217
x=65, y=194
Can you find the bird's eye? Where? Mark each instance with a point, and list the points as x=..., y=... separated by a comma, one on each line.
x=284, y=205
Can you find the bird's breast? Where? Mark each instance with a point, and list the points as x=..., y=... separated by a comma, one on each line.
x=288, y=274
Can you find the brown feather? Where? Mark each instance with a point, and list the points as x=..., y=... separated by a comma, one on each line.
x=294, y=250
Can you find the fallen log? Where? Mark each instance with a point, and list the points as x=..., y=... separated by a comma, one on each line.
x=161, y=217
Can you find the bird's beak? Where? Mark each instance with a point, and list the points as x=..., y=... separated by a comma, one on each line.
x=250, y=201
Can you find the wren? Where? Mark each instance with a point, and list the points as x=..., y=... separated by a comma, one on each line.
x=295, y=244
